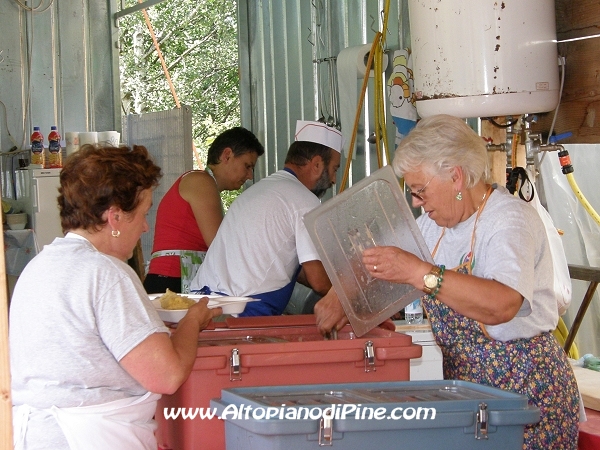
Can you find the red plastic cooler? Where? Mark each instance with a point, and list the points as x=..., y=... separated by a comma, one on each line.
x=275, y=351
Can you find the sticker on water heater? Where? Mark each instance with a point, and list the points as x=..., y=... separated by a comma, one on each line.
x=542, y=86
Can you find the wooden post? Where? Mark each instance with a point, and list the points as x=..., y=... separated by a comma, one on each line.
x=497, y=159
x=6, y=431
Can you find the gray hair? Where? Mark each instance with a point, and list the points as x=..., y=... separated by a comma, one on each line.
x=439, y=143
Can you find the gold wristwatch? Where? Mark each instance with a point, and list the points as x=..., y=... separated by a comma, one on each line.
x=431, y=280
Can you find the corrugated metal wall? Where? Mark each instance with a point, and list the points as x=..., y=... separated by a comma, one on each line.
x=62, y=60
x=279, y=80
x=56, y=68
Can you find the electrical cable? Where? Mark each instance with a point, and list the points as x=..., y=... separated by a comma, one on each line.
x=499, y=125
x=37, y=9
x=381, y=84
x=562, y=84
x=6, y=125
x=28, y=94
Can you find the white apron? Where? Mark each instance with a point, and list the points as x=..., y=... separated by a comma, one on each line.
x=121, y=424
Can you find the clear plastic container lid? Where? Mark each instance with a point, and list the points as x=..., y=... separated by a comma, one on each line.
x=371, y=213
x=401, y=393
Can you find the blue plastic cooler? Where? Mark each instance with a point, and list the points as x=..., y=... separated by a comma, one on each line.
x=375, y=415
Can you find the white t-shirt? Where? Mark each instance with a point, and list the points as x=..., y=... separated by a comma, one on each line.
x=75, y=312
x=512, y=248
x=262, y=239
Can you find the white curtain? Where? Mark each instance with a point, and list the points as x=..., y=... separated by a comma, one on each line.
x=581, y=237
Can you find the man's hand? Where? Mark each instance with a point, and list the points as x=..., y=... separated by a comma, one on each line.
x=330, y=314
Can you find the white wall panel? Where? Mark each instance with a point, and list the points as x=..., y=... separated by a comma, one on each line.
x=279, y=82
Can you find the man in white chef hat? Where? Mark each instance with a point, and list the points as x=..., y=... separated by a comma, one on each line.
x=262, y=247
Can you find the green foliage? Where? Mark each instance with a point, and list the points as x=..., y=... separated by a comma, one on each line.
x=198, y=40
x=229, y=196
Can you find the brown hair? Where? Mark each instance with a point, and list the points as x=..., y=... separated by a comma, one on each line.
x=301, y=152
x=96, y=178
x=238, y=139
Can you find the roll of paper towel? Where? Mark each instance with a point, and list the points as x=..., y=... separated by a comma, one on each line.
x=109, y=138
x=88, y=137
x=351, y=67
x=71, y=142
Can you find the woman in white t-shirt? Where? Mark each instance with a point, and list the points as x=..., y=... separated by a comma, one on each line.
x=490, y=301
x=89, y=354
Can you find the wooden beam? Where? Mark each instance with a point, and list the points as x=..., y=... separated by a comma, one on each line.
x=6, y=431
x=579, y=110
x=584, y=273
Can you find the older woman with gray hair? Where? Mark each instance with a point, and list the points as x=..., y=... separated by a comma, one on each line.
x=490, y=298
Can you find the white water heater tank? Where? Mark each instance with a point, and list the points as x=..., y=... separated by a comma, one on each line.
x=484, y=58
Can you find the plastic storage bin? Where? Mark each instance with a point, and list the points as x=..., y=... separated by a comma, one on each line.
x=373, y=212
x=467, y=416
x=274, y=351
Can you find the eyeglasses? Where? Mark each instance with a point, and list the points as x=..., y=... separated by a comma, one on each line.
x=418, y=193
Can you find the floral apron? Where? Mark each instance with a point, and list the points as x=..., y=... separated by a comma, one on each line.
x=535, y=367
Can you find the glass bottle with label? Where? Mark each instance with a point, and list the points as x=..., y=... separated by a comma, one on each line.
x=38, y=155
x=413, y=312
x=54, y=149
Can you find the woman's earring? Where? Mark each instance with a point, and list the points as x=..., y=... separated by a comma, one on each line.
x=116, y=233
x=459, y=196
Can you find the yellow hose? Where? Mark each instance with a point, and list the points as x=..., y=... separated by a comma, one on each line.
x=374, y=61
x=582, y=199
x=561, y=333
x=379, y=87
x=361, y=100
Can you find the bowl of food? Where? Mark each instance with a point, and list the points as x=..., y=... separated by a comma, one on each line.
x=16, y=221
x=172, y=307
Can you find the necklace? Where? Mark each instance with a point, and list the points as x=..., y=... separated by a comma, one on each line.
x=209, y=171
x=485, y=194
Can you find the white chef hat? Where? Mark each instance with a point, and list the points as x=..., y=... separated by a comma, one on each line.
x=319, y=133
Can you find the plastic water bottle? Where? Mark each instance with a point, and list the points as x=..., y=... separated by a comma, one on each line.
x=413, y=313
x=54, y=149
x=37, y=147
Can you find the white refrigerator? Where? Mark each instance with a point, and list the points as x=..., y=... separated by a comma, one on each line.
x=37, y=191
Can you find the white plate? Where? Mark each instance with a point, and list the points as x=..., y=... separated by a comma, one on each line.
x=230, y=305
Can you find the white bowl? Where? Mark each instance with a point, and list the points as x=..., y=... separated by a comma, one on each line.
x=16, y=221
x=230, y=305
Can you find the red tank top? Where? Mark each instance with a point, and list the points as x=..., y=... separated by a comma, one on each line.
x=175, y=229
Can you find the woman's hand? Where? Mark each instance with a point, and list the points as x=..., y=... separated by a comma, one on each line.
x=487, y=301
x=395, y=265
x=201, y=313
x=329, y=313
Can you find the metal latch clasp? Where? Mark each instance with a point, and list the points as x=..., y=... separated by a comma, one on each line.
x=369, y=357
x=481, y=427
x=326, y=429
x=235, y=369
